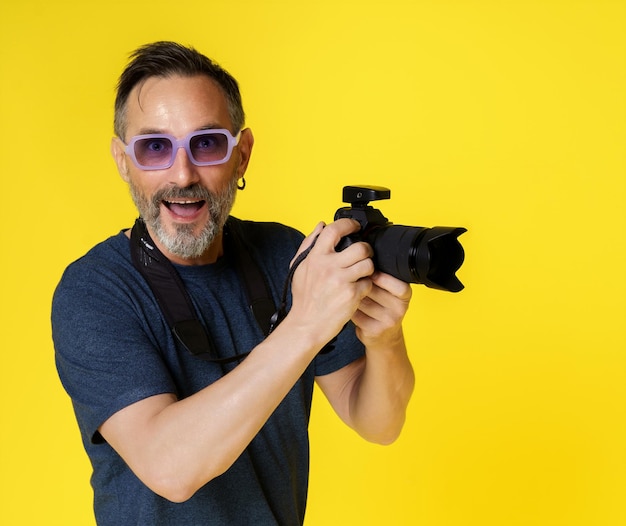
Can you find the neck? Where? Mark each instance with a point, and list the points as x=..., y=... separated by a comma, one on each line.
x=210, y=255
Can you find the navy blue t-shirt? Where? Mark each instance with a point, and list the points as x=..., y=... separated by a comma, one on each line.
x=114, y=347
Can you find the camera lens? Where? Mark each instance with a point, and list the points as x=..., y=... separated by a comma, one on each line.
x=429, y=256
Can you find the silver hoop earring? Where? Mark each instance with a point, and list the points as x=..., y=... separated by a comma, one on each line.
x=243, y=184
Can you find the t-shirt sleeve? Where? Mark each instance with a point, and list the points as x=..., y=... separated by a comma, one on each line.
x=341, y=351
x=106, y=357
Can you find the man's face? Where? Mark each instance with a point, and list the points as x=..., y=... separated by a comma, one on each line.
x=184, y=206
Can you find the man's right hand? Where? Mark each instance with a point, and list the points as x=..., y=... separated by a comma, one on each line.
x=328, y=286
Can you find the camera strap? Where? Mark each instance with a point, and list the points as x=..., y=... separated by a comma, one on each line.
x=175, y=302
x=280, y=314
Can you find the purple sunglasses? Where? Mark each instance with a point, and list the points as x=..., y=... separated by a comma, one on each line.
x=157, y=151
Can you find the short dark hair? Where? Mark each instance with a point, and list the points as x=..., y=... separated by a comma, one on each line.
x=164, y=59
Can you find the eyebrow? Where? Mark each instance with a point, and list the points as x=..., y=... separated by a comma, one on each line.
x=156, y=131
x=150, y=131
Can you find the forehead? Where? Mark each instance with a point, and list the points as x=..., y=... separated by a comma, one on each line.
x=176, y=105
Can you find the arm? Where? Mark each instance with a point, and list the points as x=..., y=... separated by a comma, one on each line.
x=371, y=394
x=176, y=446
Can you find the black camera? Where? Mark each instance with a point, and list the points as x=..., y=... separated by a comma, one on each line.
x=414, y=254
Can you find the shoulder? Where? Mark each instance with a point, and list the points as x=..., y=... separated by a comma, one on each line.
x=109, y=254
x=104, y=273
x=264, y=230
x=267, y=239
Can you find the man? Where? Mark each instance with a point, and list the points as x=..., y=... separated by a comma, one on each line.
x=177, y=440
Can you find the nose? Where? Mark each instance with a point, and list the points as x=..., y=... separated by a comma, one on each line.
x=183, y=172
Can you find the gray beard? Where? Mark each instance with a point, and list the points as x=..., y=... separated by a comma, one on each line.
x=183, y=242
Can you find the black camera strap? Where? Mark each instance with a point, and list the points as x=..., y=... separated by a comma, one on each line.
x=175, y=302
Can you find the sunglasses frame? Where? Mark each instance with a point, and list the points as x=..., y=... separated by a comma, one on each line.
x=185, y=143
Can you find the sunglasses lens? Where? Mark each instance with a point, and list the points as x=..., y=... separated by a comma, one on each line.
x=155, y=151
x=209, y=147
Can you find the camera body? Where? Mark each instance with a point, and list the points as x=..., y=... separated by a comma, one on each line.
x=428, y=256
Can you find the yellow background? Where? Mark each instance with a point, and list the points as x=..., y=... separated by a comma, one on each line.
x=506, y=117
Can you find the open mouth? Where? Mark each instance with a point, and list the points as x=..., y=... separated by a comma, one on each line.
x=186, y=208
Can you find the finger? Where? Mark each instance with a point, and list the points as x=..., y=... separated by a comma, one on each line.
x=359, y=269
x=369, y=307
x=392, y=285
x=385, y=301
x=384, y=305
x=309, y=240
x=331, y=235
x=375, y=317
x=363, y=320
x=356, y=253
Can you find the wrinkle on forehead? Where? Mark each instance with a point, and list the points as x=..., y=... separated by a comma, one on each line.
x=172, y=104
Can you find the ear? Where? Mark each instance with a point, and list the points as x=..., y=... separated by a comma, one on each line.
x=246, y=142
x=120, y=158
